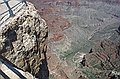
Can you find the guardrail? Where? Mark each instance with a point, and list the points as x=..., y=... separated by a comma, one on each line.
x=11, y=69
x=10, y=8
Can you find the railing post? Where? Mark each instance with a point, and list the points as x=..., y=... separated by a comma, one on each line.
x=24, y=1
x=10, y=10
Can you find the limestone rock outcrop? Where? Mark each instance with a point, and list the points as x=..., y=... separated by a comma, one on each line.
x=23, y=40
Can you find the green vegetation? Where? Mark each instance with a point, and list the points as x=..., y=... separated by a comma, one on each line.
x=93, y=62
x=51, y=76
x=90, y=75
x=76, y=48
x=112, y=68
x=98, y=66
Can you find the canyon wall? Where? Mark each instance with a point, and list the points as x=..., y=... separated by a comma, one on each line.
x=76, y=30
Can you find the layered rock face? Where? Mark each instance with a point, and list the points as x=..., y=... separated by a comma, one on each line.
x=103, y=62
x=23, y=41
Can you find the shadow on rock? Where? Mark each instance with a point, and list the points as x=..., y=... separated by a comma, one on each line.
x=43, y=72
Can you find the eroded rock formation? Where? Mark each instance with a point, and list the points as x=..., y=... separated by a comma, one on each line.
x=103, y=63
x=23, y=42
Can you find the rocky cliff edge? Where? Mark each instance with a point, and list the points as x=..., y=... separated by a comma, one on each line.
x=23, y=42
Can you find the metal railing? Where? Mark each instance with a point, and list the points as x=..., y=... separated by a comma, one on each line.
x=12, y=69
x=10, y=8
